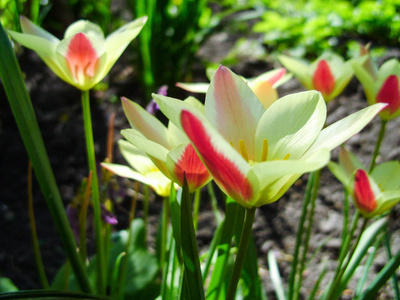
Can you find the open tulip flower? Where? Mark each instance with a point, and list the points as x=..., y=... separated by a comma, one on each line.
x=380, y=86
x=264, y=85
x=329, y=74
x=84, y=57
x=168, y=148
x=373, y=194
x=255, y=154
x=142, y=169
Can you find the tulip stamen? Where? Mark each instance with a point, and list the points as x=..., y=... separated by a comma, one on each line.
x=243, y=150
x=264, y=152
x=286, y=157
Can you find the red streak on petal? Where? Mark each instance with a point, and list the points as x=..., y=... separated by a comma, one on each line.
x=390, y=94
x=363, y=194
x=277, y=76
x=323, y=79
x=81, y=57
x=224, y=171
x=190, y=164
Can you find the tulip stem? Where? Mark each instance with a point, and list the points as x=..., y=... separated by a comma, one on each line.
x=243, y=245
x=95, y=191
x=346, y=254
x=378, y=145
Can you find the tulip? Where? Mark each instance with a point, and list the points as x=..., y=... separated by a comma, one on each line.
x=373, y=194
x=141, y=169
x=168, y=148
x=255, y=154
x=380, y=86
x=84, y=57
x=264, y=85
x=328, y=74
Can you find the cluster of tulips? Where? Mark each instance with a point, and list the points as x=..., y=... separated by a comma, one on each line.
x=254, y=145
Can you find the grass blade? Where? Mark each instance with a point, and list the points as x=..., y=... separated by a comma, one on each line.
x=275, y=276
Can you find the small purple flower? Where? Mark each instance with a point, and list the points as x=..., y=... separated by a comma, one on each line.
x=107, y=216
x=152, y=107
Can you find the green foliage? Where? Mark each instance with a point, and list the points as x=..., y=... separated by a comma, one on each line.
x=142, y=267
x=6, y=285
x=97, y=11
x=313, y=26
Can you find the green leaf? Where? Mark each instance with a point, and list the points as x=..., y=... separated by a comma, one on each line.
x=6, y=285
x=275, y=276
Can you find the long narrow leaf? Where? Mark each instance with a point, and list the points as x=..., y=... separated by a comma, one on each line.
x=382, y=277
x=21, y=106
x=223, y=249
x=190, y=252
x=276, y=276
x=366, y=241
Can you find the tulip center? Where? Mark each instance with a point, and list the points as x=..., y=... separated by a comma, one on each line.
x=264, y=152
x=81, y=57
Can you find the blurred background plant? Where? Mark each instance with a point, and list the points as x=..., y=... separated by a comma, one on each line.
x=307, y=28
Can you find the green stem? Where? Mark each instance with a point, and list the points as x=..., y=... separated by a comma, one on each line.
x=214, y=204
x=146, y=199
x=95, y=192
x=28, y=127
x=164, y=232
x=310, y=221
x=196, y=208
x=299, y=236
x=243, y=244
x=378, y=145
x=342, y=268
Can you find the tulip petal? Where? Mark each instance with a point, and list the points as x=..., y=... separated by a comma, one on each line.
x=364, y=196
x=91, y=30
x=265, y=93
x=323, y=79
x=337, y=133
x=183, y=159
x=141, y=142
x=367, y=81
x=136, y=158
x=291, y=125
x=233, y=109
x=146, y=123
x=277, y=176
x=45, y=48
x=117, y=41
x=299, y=68
x=28, y=27
x=81, y=55
x=390, y=93
x=386, y=201
x=194, y=87
x=227, y=167
x=126, y=172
